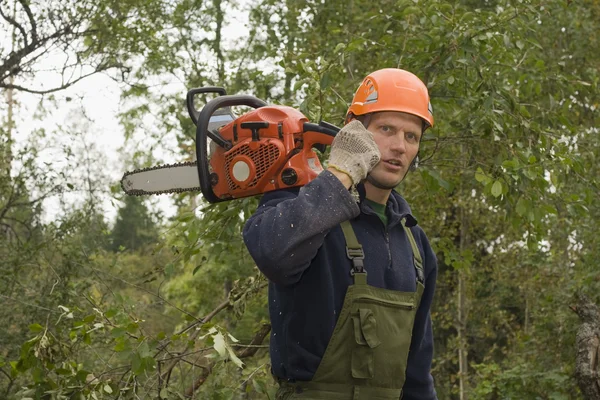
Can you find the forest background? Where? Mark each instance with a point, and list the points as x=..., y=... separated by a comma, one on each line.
x=146, y=306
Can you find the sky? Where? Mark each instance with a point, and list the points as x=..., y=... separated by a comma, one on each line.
x=95, y=99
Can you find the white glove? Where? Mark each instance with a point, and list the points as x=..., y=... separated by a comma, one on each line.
x=354, y=152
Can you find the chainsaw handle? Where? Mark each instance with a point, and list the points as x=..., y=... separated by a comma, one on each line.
x=320, y=135
x=322, y=127
x=220, y=102
x=202, y=132
x=193, y=92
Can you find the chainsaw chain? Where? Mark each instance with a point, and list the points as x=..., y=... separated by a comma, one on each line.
x=145, y=193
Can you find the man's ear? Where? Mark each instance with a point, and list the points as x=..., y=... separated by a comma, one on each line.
x=349, y=118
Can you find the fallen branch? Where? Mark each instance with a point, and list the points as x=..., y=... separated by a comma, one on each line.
x=244, y=353
x=253, y=286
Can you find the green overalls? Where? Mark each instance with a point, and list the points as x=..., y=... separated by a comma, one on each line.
x=367, y=354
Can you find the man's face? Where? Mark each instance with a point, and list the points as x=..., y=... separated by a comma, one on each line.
x=397, y=135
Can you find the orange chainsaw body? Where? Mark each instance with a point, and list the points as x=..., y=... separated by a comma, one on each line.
x=271, y=149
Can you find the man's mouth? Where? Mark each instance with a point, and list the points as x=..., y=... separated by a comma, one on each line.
x=397, y=163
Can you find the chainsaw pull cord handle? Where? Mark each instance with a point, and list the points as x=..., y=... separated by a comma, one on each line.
x=254, y=127
x=202, y=132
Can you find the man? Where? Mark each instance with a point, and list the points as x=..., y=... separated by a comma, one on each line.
x=351, y=274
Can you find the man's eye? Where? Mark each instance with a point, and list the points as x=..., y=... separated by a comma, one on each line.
x=412, y=136
x=385, y=128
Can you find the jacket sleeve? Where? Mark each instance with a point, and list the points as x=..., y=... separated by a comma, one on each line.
x=419, y=382
x=289, y=226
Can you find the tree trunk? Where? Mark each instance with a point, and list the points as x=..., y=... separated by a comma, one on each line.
x=587, y=363
x=219, y=16
x=463, y=373
x=10, y=102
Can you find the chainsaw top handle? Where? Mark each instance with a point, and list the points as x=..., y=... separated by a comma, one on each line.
x=193, y=92
x=202, y=132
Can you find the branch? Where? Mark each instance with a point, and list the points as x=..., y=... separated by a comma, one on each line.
x=226, y=304
x=14, y=58
x=15, y=24
x=9, y=227
x=8, y=204
x=32, y=202
x=255, y=342
x=56, y=89
x=5, y=373
x=25, y=225
x=140, y=288
x=30, y=305
x=167, y=373
x=10, y=382
x=245, y=353
x=31, y=20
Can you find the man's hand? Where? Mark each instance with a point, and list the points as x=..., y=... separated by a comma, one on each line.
x=354, y=153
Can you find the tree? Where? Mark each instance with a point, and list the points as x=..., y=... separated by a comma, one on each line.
x=134, y=227
x=506, y=192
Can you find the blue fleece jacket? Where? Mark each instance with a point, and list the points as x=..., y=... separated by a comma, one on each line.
x=297, y=242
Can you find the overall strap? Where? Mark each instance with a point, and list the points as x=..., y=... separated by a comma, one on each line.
x=355, y=253
x=418, y=261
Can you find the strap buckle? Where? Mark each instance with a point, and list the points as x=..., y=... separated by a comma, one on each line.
x=357, y=256
x=419, y=270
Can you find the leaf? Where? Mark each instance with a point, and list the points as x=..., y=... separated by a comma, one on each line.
x=339, y=47
x=137, y=364
x=132, y=327
x=121, y=345
x=90, y=318
x=35, y=328
x=234, y=340
x=441, y=181
x=480, y=176
x=118, y=332
x=144, y=349
x=325, y=81
x=497, y=189
x=410, y=10
x=522, y=206
x=219, y=344
x=234, y=357
x=110, y=313
x=225, y=350
x=107, y=389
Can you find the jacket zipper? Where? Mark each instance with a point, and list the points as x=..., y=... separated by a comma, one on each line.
x=387, y=244
x=386, y=236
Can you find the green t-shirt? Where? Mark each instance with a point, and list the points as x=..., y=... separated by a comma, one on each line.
x=379, y=210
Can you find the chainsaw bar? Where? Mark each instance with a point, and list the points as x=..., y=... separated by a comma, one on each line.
x=162, y=179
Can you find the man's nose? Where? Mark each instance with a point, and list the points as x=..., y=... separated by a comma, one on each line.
x=397, y=143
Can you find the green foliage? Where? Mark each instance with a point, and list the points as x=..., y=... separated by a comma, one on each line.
x=134, y=227
x=506, y=191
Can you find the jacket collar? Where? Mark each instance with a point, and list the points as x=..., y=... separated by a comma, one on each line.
x=397, y=206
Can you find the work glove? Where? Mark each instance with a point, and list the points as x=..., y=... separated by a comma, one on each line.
x=354, y=152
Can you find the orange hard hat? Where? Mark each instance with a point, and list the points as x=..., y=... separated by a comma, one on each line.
x=392, y=89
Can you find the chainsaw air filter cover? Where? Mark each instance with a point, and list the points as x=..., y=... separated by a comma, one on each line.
x=270, y=150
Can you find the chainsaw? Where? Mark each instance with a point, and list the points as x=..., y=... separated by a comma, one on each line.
x=265, y=149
